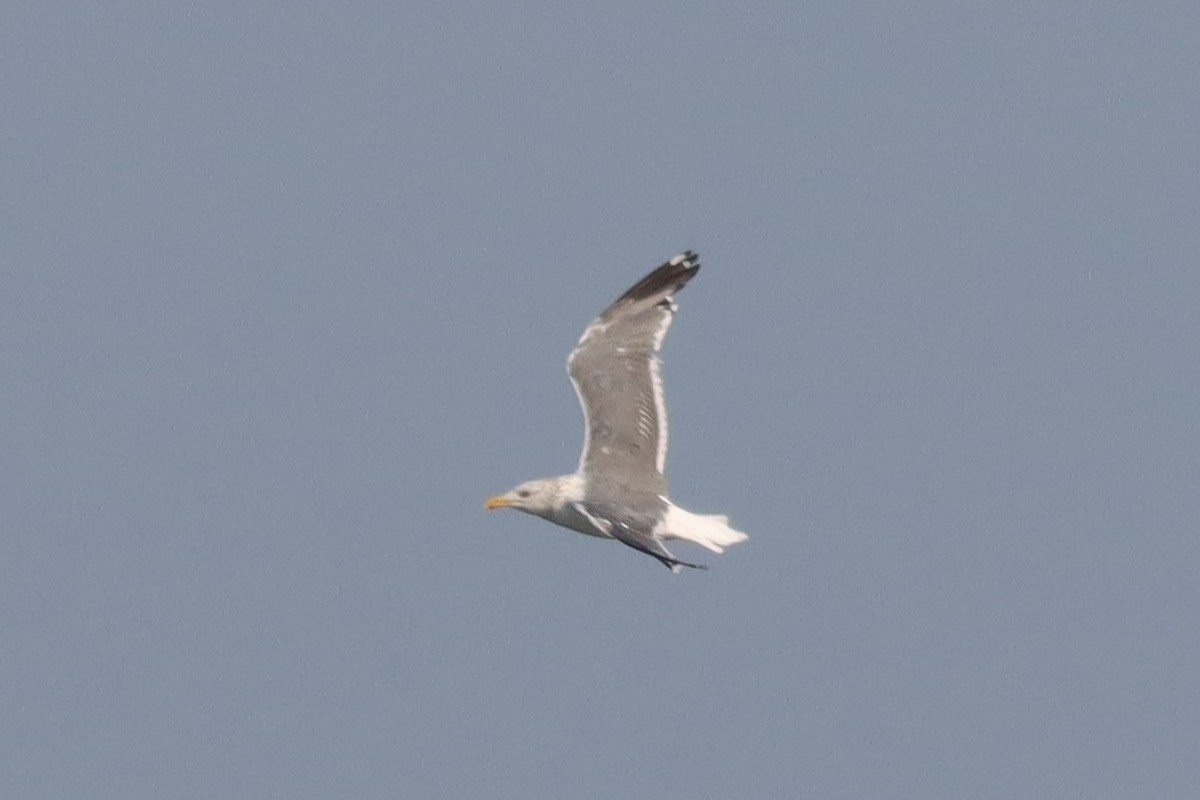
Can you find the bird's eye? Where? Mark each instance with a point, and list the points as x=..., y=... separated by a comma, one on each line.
x=522, y=493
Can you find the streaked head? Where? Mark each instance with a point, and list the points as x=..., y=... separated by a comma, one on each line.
x=538, y=497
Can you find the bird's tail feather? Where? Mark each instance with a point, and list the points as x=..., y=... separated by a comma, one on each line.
x=707, y=530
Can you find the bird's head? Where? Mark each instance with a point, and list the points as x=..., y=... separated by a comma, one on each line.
x=538, y=497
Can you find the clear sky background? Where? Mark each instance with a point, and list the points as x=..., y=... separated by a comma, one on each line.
x=287, y=292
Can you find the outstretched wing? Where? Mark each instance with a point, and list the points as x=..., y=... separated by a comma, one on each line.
x=615, y=371
x=627, y=530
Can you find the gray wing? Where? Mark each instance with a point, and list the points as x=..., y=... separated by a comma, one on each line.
x=615, y=371
x=629, y=531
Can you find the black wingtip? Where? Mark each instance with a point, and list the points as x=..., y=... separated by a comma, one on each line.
x=672, y=563
x=666, y=279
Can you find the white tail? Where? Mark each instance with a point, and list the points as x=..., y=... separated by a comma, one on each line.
x=707, y=530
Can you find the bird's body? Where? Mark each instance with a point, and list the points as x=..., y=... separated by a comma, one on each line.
x=619, y=490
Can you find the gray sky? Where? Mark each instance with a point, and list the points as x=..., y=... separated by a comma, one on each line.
x=287, y=292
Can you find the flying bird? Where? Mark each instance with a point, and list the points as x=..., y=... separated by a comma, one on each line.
x=619, y=490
